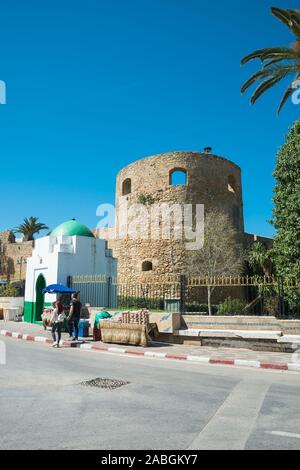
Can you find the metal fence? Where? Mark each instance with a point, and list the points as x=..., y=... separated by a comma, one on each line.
x=98, y=291
x=259, y=295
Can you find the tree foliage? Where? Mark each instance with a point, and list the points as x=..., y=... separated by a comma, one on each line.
x=231, y=306
x=8, y=291
x=30, y=227
x=221, y=254
x=6, y=263
x=286, y=214
x=260, y=259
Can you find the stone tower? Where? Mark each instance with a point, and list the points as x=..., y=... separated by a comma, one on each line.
x=172, y=178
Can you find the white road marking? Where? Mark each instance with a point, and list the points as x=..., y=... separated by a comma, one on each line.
x=284, y=434
x=234, y=421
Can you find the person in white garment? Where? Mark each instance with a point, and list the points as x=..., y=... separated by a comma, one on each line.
x=57, y=322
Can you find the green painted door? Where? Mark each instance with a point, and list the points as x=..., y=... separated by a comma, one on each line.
x=39, y=298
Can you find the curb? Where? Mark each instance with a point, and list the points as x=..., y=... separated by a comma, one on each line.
x=200, y=359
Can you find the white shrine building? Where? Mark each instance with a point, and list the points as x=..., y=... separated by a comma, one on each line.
x=70, y=250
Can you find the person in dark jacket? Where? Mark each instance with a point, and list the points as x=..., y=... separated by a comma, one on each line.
x=74, y=316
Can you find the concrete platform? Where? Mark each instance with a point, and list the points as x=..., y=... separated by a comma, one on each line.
x=257, y=340
x=254, y=334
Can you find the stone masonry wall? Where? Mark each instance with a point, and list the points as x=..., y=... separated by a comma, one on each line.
x=13, y=252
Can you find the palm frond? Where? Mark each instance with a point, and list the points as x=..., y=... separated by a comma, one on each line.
x=272, y=62
x=277, y=62
x=255, y=77
x=286, y=53
x=270, y=53
x=290, y=18
x=291, y=54
x=263, y=87
x=30, y=226
x=285, y=97
x=279, y=71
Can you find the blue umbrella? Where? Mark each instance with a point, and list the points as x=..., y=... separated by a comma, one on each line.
x=58, y=289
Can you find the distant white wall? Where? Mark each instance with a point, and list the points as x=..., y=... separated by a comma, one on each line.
x=11, y=302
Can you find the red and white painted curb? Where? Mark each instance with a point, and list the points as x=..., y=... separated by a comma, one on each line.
x=200, y=359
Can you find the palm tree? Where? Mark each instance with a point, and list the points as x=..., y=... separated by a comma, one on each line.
x=29, y=227
x=277, y=62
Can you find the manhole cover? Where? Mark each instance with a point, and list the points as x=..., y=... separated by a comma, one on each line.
x=99, y=382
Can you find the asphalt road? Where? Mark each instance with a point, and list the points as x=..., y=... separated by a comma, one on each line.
x=166, y=405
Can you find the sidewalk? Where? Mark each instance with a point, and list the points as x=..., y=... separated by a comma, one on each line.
x=204, y=354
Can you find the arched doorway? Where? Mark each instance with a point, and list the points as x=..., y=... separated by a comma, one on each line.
x=39, y=298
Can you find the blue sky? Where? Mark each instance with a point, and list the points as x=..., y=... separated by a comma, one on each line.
x=94, y=85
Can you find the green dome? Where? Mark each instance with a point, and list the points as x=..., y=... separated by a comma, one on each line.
x=71, y=228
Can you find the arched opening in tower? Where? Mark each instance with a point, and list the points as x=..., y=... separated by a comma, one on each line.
x=147, y=266
x=178, y=176
x=126, y=187
x=231, y=184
